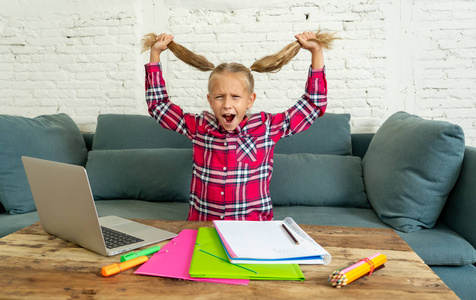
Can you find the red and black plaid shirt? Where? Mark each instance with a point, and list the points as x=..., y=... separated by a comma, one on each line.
x=232, y=170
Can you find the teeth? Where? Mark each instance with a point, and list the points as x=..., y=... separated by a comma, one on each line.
x=228, y=117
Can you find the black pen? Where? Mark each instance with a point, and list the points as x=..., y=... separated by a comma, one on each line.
x=290, y=234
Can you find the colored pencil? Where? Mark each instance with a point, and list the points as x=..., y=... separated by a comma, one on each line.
x=353, y=266
x=342, y=277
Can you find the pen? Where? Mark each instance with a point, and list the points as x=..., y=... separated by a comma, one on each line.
x=290, y=234
x=116, y=268
x=146, y=252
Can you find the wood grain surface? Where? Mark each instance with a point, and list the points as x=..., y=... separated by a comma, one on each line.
x=36, y=265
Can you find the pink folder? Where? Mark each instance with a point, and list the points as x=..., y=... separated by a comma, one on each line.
x=173, y=261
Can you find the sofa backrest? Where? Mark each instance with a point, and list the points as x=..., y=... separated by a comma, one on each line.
x=319, y=158
x=120, y=131
x=459, y=212
x=360, y=142
x=329, y=134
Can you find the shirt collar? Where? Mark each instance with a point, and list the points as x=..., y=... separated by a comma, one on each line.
x=240, y=126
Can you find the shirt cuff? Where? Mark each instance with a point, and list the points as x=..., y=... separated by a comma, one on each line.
x=316, y=72
x=153, y=67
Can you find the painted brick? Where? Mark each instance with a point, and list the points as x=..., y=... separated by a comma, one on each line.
x=418, y=56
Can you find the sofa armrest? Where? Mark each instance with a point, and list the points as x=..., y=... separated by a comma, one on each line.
x=459, y=212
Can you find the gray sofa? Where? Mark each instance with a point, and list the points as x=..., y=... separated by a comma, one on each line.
x=413, y=175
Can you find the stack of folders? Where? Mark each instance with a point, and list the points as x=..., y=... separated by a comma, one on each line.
x=236, y=251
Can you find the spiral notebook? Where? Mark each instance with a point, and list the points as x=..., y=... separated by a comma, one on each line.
x=270, y=242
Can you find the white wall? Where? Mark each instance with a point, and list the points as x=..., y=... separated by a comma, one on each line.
x=83, y=57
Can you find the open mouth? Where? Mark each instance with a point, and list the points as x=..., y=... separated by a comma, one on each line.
x=228, y=118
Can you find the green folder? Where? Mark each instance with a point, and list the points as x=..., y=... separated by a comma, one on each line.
x=210, y=261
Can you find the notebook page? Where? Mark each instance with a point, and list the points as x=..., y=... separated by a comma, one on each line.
x=264, y=240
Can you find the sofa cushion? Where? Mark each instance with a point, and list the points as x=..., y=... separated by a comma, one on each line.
x=51, y=137
x=436, y=246
x=330, y=134
x=145, y=174
x=318, y=180
x=440, y=246
x=330, y=216
x=409, y=169
x=139, y=209
x=116, y=132
x=12, y=223
x=460, y=279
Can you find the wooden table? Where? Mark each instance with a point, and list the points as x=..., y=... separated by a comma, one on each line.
x=36, y=265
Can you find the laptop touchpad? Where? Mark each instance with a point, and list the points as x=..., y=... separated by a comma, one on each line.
x=129, y=227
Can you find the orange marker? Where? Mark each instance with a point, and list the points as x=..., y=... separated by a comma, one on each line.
x=116, y=268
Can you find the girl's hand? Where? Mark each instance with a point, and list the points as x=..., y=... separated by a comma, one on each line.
x=305, y=39
x=162, y=41
x=160, y=45
x=307, y=42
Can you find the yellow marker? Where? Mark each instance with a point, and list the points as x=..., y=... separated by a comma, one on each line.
x=116, y=268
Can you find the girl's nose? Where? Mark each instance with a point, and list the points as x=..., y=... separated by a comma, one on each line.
x=227, y=103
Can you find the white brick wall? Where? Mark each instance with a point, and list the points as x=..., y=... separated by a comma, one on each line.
x=76, y=57
x=82, y=57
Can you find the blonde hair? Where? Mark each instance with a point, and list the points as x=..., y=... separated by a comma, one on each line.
x=274, y=63
x=182, y=53
x=268, y=64
x=234, y=68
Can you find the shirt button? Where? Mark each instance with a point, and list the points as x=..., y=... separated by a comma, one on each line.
x=225, y=143
x=224, y=168
x=222, y=217
x=222, y=193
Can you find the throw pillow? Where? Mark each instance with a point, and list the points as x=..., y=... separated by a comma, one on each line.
x=409, y=169
x=323, y=180
x=143, y=174
x=52, y=137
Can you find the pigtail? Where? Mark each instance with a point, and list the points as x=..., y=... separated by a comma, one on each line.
x=274, y=63
x=197, y=61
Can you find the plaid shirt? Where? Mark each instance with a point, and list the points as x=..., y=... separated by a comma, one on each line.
x=232, y=170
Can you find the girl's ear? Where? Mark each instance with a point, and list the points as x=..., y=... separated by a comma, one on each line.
x=251, y=100
x=209, y=99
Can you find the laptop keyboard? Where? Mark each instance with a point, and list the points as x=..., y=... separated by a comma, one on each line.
x=114, y=239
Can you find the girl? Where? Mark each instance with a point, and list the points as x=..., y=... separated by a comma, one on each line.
x=233, y=152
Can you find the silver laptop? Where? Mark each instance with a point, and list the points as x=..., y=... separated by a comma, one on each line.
x=66, y=208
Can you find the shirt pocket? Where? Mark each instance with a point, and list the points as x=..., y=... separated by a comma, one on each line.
x=246, y=149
